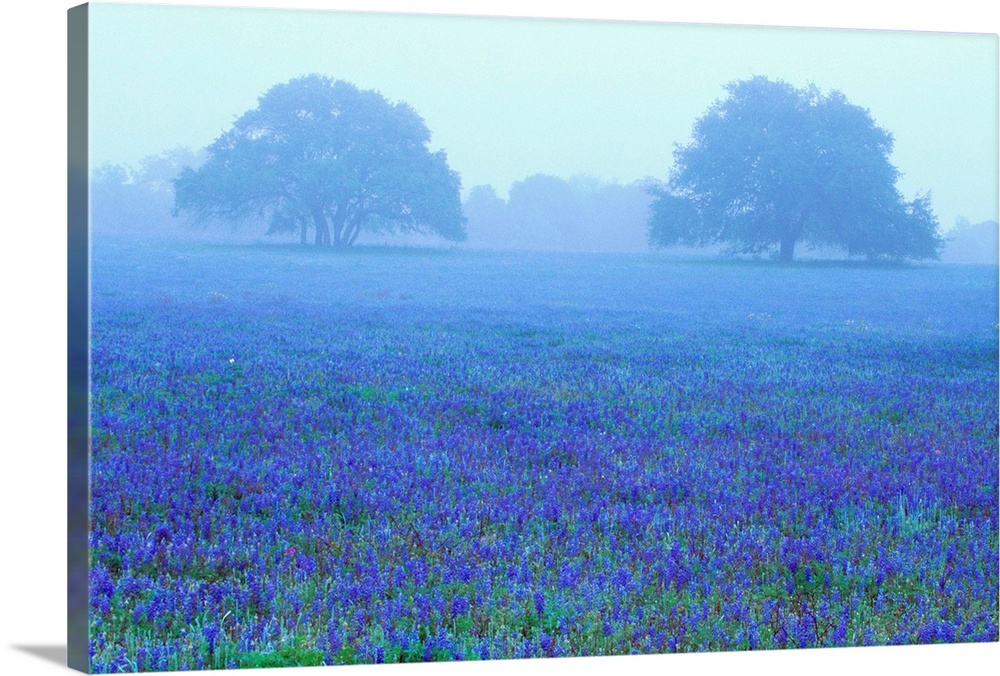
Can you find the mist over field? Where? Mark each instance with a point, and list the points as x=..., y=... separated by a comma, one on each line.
x=543, y=213
x=972, y=243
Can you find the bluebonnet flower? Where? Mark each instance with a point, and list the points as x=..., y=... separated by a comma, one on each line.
x=781, y=635
x=538, y=601
x=459, y=606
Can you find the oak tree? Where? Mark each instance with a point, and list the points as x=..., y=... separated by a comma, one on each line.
x=321, y=154
x=771, y=166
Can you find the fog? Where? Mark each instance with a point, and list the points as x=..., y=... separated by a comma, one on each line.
x=508, y=98
x=971, y=243
x=512, y=100
x=540, y=213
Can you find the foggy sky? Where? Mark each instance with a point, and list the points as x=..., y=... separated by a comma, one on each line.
x=507, y=98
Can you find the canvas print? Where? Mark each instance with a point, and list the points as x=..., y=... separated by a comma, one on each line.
x=413, y=338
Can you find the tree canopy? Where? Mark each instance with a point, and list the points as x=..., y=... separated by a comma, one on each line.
x=772, y=165
x=322, y=154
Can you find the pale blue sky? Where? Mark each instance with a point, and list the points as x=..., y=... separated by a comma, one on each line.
x=507, y=98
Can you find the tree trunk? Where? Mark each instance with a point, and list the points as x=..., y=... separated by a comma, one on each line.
x=302, y=232
x=787, y=248
x=338, y=229
x=354, y=235
x=353, y=228
x=351, y=232
x=791, y=236
x=322, y=228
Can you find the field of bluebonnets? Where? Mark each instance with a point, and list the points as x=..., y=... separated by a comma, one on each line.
x=302, y=457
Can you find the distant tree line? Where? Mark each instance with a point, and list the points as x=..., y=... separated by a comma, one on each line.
x=139, y=200
x=545, y=212
x=970, y=242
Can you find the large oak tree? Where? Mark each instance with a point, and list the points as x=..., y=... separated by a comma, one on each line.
x=772, y=165
x=322, y=154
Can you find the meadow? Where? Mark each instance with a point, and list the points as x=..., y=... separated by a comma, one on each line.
x=302, y=457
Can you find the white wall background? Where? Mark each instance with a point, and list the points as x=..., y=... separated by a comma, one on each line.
x=33, y=325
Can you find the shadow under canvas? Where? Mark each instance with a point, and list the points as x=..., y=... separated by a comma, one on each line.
x=50, y=653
